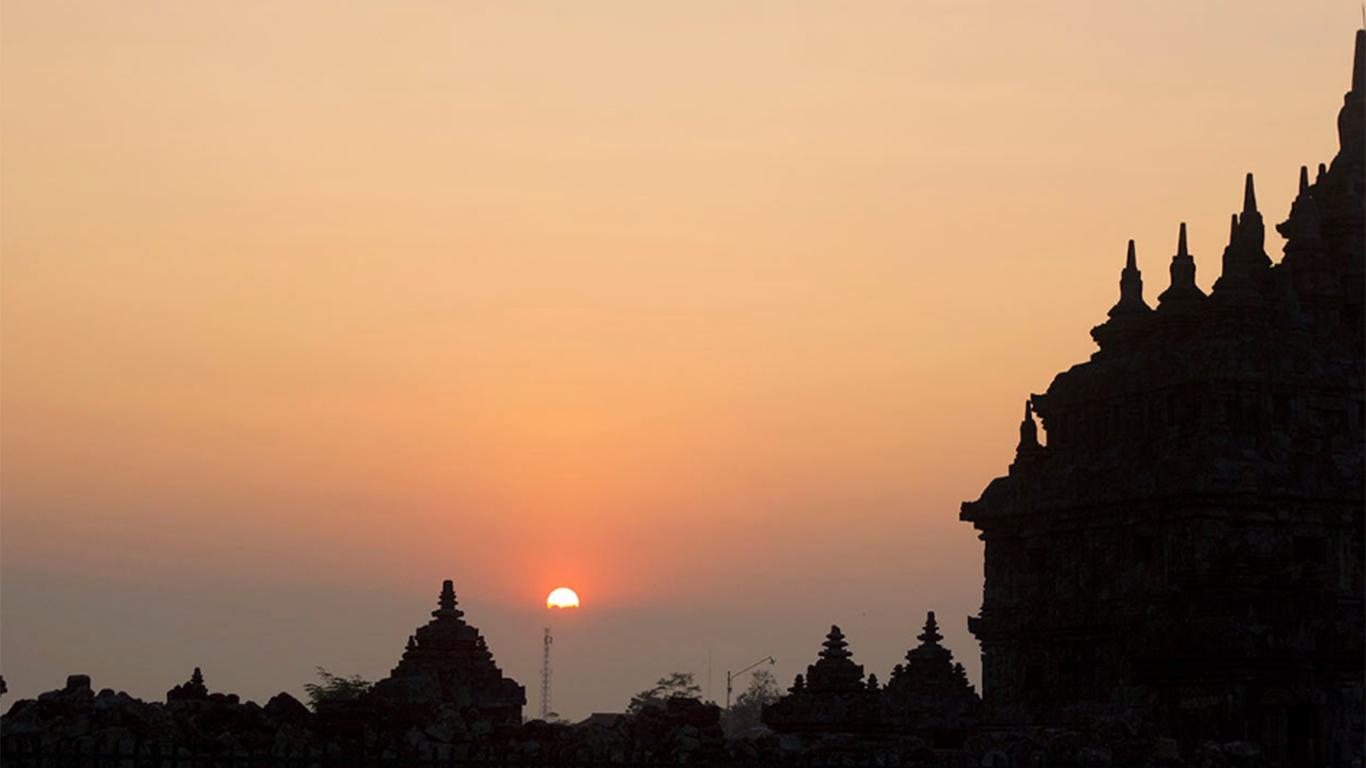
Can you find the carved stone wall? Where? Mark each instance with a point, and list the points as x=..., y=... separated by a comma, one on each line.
x=1187, y=546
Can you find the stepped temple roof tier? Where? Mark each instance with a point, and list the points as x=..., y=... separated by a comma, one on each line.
x=1187, y=544
x=930, y=693
x=834, y=671
x=447, y=661
x=832, y=697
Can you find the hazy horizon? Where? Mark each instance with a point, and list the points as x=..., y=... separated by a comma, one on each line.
x=714, y=312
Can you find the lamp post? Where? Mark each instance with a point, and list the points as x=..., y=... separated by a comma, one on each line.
x=731, y=676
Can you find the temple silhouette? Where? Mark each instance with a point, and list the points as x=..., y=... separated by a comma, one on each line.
x=447, y=661
x=929, y=696
x=1187, y=546
x=1173, y=577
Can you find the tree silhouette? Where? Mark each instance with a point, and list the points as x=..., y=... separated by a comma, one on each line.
x=334, y=688
x=675, y=684
x=744, y=713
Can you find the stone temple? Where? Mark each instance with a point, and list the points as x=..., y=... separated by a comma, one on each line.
x=1187, y=547
x=833, y=696
x=448, y=662
x=929, y=696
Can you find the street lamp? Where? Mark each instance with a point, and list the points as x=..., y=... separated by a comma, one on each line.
x=730, y=677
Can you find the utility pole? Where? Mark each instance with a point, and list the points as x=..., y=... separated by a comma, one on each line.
x=545, y=677
x=731, y=677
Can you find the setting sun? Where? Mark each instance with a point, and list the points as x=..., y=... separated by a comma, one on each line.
x=562, y=597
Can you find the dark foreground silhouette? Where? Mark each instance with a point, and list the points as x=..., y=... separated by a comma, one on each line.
x=1174, y=579
x=446, y=703
x=1187, y=548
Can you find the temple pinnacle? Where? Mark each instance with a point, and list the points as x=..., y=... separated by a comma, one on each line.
x=1249, y=196
x=1251, y=237
x=1129, y=308
x=1359, y=62
x=930, y=636
x=1183, y=287
x=446, y=603
x=1130, y=286
x=1304, y=179
x=1234, y=282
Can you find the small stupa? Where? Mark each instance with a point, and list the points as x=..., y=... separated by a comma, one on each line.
x=832, y=697
x=930, y=694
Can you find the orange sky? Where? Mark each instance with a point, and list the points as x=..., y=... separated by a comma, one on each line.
x=714, y=311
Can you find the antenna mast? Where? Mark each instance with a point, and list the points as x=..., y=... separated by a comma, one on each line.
x=545, y=677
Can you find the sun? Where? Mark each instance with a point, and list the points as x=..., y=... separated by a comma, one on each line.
x=562, y=597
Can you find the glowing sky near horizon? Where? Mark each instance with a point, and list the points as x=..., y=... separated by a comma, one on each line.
x=713, y=310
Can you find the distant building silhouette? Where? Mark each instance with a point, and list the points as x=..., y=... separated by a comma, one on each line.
x=1188, y=544
x=833, y=696
x=192, y=690
x=448, y=662
x=928, y=696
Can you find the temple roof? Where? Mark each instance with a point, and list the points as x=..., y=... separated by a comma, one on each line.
x=448, y=661
x=1205, y=394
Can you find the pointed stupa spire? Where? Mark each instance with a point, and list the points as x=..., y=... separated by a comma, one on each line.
x=1233, y=283
x=446, y=602
x=1323, y=169
x=1130, y=305
x=930, y=635
x=1301, y=229
x=1359, y=62
x=1245, y=257
x=1352, y=116
x=1130, y=287
x=1128, y=314
x=1183, y=288
x=1250, y=250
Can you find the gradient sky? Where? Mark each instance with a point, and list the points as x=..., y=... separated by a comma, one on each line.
x=712, y=310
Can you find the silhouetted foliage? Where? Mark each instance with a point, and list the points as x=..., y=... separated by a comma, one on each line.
x=335, y=688
x=744, y=713
x=677, y=684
